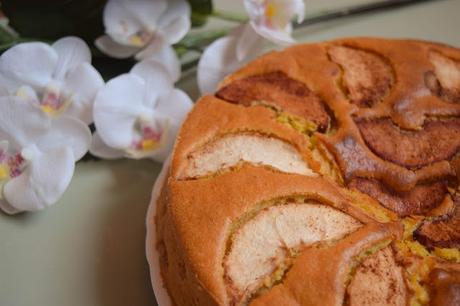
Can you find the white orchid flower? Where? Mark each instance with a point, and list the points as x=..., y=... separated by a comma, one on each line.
x=58, y=77
x=138, y=114
x=272, y=18
x=145, y=29
x=227, y=54
x=269, y=20
x=37, y=155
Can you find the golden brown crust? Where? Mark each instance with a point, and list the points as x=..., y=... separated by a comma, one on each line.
x=191, y=204
x=212, y=118
x=319, y=275
x=445, y=287
x=394, y=118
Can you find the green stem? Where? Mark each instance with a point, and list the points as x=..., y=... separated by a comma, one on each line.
x=202, y=39
x=190, y=64
x=229, y=16
x=6, y=36
x=9, y=44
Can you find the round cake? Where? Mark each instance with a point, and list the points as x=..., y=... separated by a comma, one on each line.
x=324, y=174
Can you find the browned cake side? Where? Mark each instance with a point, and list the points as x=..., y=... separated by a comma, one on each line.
x=322, y=174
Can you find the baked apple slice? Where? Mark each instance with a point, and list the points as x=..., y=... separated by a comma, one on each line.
x=230, y=150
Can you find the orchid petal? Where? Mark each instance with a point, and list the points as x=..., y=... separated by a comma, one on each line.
x=157, y=80
x=217, y=61
x=279, y=37
x=7, y=86
x=286, y=10
x=176, y=8
x=100, y=149
x=117, y=107
x=3, y=145
x=299, y=9
x=6, y=207
x=72, y=51
x=175, y=22
x=28, y=94
x=126, y=17
x=148, y=12
x=119, y=22
x=21, y=122
x=113, y=49
x=171, y=112
x=176, y=30
x=160, y=154
x=272, y=18
x=159, y=51
x=174, y=106
x=249, y=44
x=29, y=64
x=66, y=132
x=82, y=84
x=44, y=180
x=255, y=9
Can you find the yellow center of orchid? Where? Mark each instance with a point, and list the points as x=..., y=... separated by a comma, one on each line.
x=10, y=165
x=141, y=38
x=270, y=10
x=149, y=136
x=149, y=144
x=275, y=15
x=4, y=172
x=53, y=102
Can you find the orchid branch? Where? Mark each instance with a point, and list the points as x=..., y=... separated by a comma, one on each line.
x=232, y=17
x=9, y=38
x=196, y=42
x=201, y=39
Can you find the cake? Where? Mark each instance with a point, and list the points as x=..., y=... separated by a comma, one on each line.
x=323, y=174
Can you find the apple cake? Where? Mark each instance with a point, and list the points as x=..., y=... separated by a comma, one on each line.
x=323, y=174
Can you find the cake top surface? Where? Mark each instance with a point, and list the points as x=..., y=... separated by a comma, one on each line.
x=323, y=153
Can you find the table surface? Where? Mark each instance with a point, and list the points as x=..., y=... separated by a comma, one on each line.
x=88, y=249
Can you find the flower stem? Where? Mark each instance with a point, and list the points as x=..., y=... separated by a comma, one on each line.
x=6, y=35
x=199, y=40
x=229, y=16
x=6, y=43
x=190, y=64
x=196, y=42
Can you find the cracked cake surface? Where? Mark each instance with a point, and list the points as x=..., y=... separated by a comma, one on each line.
x=323, y=174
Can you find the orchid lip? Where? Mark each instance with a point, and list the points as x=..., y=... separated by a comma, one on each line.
x=150, y=136
x=53, y=101
x=11, y=165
